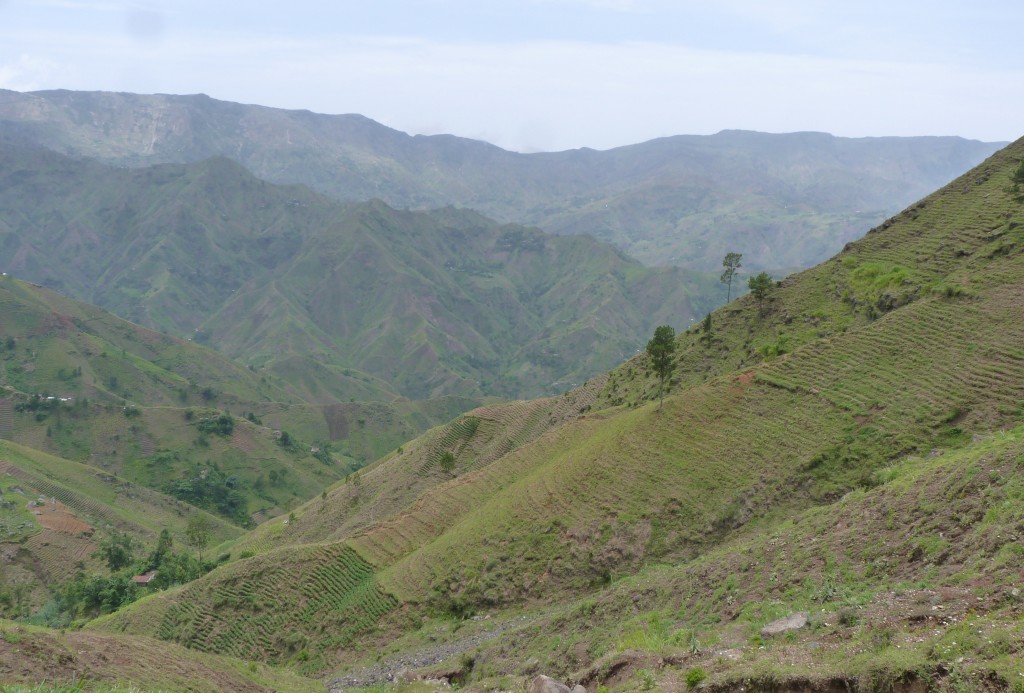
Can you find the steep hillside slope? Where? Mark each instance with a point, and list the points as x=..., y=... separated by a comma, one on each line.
x=782, y=200
x=54, y=513
x=879, y=366
x=911, y=585
x=78, y=661
x=349, y=302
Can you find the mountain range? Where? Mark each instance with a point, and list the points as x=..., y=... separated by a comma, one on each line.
x=354, y=301
x=784, y=201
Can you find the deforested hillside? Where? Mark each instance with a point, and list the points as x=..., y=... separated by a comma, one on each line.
x=786, y=201
x=55, y=514
x=849, y=439
x=358, y=302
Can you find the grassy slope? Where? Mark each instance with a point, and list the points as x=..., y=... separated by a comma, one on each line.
x=271, y=603
x=108, y=367
x=295, y=605
x=909, y=581
x=784, y=200
x=94, y=661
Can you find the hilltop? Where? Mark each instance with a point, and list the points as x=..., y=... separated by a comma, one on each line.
x=345, y=302
x=848, y=447
x=786, y=201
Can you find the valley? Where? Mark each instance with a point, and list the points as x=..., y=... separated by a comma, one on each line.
x=390, y=445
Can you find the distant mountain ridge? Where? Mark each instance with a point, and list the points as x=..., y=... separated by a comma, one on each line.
x=351, y=301
x=784, y=201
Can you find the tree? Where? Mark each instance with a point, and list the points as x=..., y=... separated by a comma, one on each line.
x=706, y=329
x=660, y=349
x=760, y=286
x=731, y=263
x=164, y=544
x=447, y=461
x=117, y=550
x=197, y=534
x=1018, y=180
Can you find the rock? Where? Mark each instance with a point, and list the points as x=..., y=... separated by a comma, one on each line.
x=578, y=689
x=546, y=684
x=784, y=625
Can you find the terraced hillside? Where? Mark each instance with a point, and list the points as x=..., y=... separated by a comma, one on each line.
x=371, y=500
x=298, y=605
x=911, y=585
x=918, y=346
x=770, y=480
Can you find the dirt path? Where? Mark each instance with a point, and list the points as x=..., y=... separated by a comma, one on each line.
x=389, y=669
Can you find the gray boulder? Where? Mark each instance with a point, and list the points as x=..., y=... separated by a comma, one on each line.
x=546, y=684
x=784, y=625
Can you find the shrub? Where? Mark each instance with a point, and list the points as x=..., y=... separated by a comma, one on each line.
x=848, y=617
x=447, y=461
x=695, y=676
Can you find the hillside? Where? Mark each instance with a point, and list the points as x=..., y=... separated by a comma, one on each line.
x=75, y=661
x=82, y=384
x=851, y=446
x=358, y=302
x=54, y=513
x=784, y=201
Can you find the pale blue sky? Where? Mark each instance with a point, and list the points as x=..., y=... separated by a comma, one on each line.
x=550, y=74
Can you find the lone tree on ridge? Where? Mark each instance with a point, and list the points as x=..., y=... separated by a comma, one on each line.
x=731, y=263
x=661, y=348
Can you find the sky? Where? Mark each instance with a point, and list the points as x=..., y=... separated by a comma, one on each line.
x=547, y=75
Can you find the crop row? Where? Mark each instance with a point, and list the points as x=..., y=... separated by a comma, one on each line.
x=6, y=418
x=272, y=611
x=454, y=438
x=59, y=554
x=68, y=497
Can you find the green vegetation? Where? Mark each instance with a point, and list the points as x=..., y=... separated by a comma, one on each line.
x=197, y=534
x=731, y=263
x=117, y=550
x=686, y=200
x=660, y=349
x=299, y=605
x=707, y=330
x=760, y=286
x=474, y=308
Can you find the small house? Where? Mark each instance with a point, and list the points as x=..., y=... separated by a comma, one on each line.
x=144, y=579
